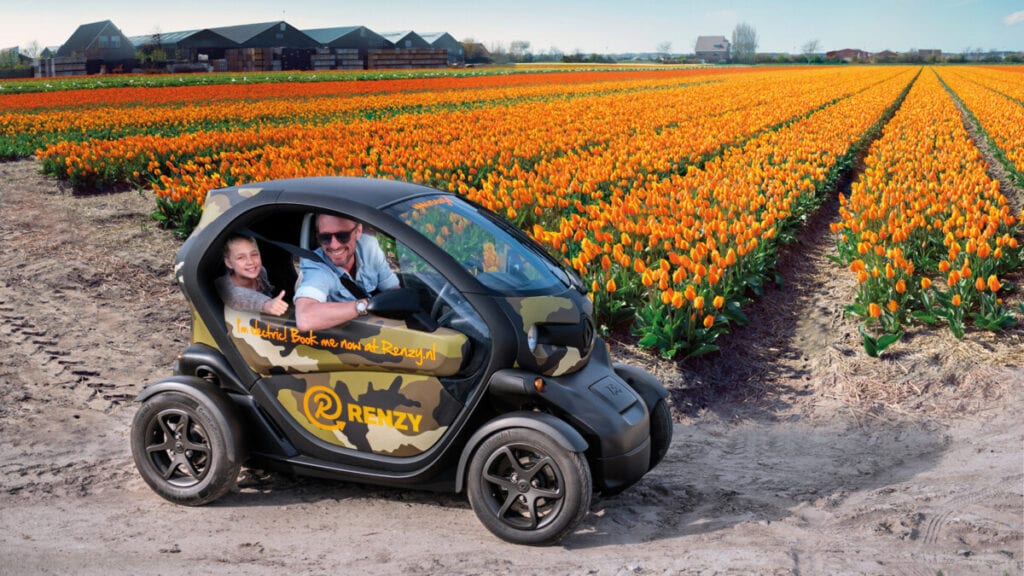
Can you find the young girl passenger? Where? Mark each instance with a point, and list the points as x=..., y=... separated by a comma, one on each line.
x=246, y=285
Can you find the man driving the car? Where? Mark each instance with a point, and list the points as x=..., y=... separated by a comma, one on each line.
x=336, y=289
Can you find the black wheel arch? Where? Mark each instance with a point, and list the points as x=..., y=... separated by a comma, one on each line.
x=559, y=430
x=642, y=382
x=201, y=361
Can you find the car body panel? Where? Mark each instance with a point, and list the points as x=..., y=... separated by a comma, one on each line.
x=381, y=413
x=272, y=344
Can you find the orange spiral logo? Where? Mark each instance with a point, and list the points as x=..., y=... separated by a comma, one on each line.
x=323, y=408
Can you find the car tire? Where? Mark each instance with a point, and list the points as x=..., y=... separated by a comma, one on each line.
x=526, y=488
x=180, y=448
x=661, y=431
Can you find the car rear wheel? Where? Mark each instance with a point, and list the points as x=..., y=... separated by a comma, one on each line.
x=181, y=451
x=526, y=488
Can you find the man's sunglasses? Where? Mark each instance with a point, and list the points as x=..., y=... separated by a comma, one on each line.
x=342, y=236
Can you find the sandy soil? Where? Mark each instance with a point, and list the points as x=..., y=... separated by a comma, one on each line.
x=794, y=452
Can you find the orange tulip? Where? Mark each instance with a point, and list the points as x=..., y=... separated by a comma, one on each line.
x=678, y=300
x=993, y=284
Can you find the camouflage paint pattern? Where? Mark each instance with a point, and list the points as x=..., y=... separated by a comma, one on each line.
x=555, y=360
x=273, y=345
x=200, y=332
x=220, y=201
x=388, y=414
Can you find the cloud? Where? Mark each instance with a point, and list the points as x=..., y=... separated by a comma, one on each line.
x=1015, y=18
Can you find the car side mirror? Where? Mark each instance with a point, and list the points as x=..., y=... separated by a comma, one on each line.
x=402, y=304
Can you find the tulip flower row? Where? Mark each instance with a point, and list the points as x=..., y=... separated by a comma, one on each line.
x=466, y=143
x=255, y=107
x=221, y=87
x=926, y=231
x=703, y=242
x=996, y=99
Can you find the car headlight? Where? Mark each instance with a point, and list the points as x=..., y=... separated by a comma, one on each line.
x=531, y=338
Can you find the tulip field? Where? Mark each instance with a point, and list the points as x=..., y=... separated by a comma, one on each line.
x=923, y=209
x=670, y=191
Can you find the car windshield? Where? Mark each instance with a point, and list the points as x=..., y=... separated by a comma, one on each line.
x=496, y=257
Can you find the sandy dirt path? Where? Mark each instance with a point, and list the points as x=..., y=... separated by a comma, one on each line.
x=794, y=453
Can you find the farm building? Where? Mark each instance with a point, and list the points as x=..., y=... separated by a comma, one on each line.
x=101, y=47
x=186, y=45
x=848, y=55
x=359, y=37
x=91, y=49
x=445, y=41
x=885, y=56
x=278, y=34
x=407, y=49
x=712, y=49
x=405, y=40
x=931, y=55
x=344, y=47
x=267, y=46
x=476, y=53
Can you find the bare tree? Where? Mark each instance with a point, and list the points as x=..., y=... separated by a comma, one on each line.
x=32, y=50
x=498, y=52
x=744, y=43
x=519, y=49
x=810, y=49
x=664, y=50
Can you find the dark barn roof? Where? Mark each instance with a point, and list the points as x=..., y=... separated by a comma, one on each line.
x=267, y=35
x=445, y=41
x=204, y=38
x=348, y=37
x=98, y=40
x=405, y=39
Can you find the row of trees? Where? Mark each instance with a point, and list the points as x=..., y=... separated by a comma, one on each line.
x=16, y=63
x=743, y=50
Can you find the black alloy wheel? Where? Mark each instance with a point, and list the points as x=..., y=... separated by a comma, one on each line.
x=180, y=450
x=526, y=488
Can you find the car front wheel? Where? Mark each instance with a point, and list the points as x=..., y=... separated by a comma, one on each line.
x=180, y=449
x=526, y=488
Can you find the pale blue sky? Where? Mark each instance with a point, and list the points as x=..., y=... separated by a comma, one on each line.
x=603, y=26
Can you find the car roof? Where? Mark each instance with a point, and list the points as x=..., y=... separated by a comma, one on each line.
x=372, y=193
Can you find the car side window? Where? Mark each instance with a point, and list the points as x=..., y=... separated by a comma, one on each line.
x=437, y=296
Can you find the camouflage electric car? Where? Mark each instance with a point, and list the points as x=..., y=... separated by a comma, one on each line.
x=480, y=373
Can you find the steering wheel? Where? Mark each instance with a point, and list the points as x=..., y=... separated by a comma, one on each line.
x=440, y=302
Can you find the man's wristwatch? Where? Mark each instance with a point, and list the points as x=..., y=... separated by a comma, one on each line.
x=361, y=306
